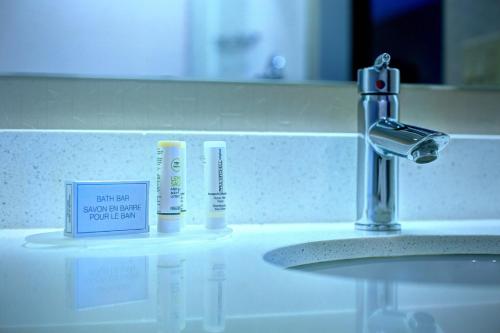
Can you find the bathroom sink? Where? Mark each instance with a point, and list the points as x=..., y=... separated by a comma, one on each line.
x=450, y=269
x=406, y=283
x=420, y=259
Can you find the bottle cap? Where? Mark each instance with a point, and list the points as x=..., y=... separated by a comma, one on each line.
x=169, y=223
x=177, y=144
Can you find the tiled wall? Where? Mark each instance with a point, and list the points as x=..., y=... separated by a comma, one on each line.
x=272, y=178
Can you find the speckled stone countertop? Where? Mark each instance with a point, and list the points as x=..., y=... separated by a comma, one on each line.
x=272, y=177
x=213, y=282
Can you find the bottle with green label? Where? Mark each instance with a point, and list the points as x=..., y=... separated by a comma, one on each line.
x=170, y=184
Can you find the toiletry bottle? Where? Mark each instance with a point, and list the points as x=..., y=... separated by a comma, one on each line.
x=215, y=183
x=184, y=187
x=169, y=184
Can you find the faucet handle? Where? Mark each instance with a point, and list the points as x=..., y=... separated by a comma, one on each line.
x=380, y=78
x=382, y=61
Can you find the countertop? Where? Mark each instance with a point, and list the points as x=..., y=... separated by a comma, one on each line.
x=201, y=281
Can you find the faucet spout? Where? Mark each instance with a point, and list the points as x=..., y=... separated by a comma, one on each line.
x=392, y=138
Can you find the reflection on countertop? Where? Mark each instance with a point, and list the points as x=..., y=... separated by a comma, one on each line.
x=92, y=282
x=206, y=282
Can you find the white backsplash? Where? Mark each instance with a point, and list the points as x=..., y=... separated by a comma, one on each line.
x=272, y=177
x=463, y=183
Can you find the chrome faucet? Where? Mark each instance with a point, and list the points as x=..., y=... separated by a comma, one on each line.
x=382, y=139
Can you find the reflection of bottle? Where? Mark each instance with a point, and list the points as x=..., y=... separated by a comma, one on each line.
x=171, y=307
x=215, y=183
x=170, y=191
x=215, y=307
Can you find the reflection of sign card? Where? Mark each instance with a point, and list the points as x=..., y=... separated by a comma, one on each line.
x=106, y=208
x=94, y=282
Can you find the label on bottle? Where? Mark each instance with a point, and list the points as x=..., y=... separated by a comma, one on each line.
x=169, y=180
x=215, y=165
x=184, y=183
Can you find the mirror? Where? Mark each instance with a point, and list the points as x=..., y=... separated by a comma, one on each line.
x=453, y=42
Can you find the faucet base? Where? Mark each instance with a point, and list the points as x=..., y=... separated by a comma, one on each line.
x=378, y=226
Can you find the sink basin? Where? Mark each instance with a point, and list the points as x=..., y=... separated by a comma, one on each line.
x=406, y=283
x=407, y=251
x=450, y=269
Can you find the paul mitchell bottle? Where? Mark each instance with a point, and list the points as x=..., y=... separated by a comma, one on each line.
x=214, y=157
